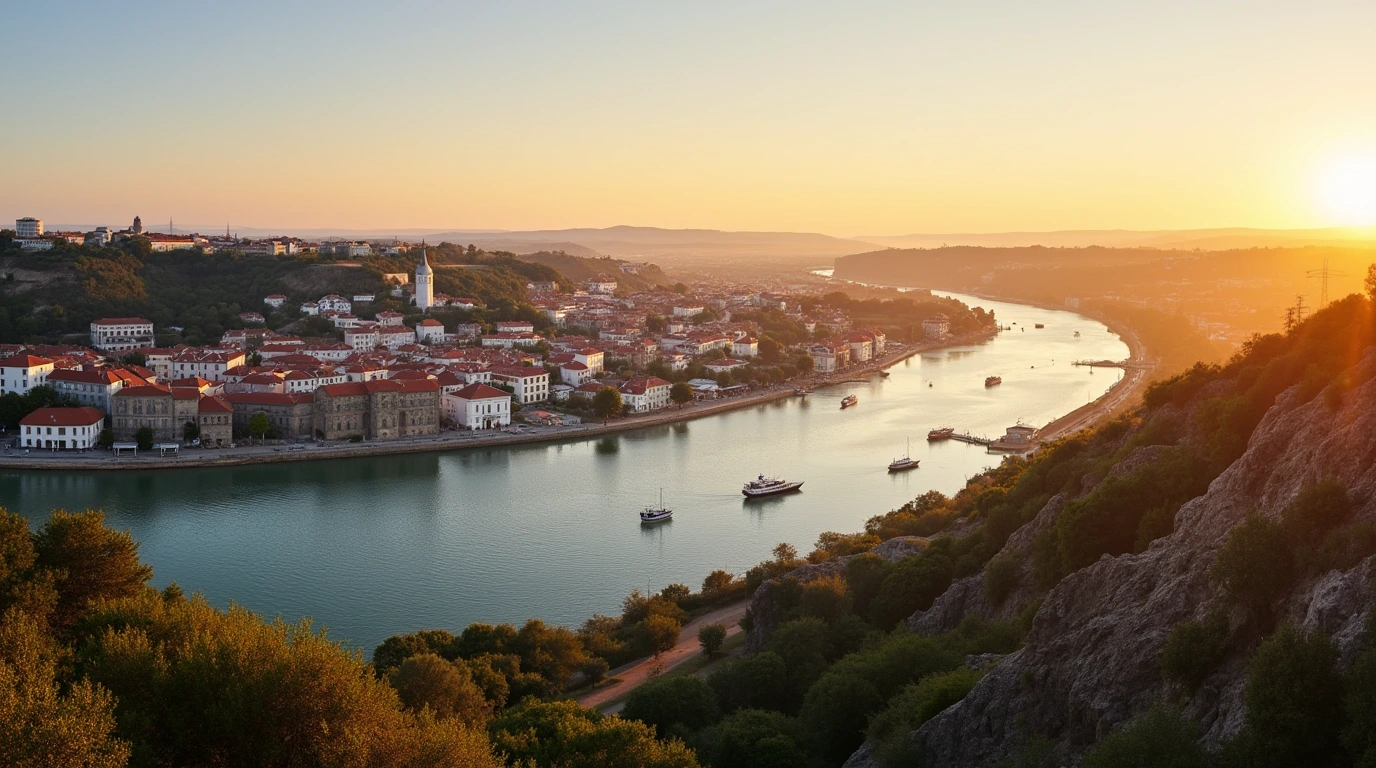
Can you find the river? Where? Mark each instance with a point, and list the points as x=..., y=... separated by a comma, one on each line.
x=371, y=547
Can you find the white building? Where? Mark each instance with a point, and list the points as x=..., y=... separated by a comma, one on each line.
x=208, y=364
x=362, y=337
x=115, y=334
x=28, y=227
x=574, y=374
x=425, y=283
x=21, y=373
x=515, y=326
x=478, y=406
x=646, y=393
x=310, y=308
x=275, y=300
x=604, y=285
x=429, y=330
x=591, y=358
x=528, y=384
x=334, y=303
x=745, y=347
x=93, y=387
x=70, y=429
x=692, y=310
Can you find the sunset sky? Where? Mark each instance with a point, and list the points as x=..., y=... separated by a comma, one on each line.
x=853, y=118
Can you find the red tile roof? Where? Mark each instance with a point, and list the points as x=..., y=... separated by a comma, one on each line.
x=480, y=392
x=147, y=390
x=213, y=405
x=63, y=417
x=267, y=398
x=24, y=361
x=122, y=321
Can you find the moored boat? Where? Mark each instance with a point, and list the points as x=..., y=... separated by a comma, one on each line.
x=993, y=381
x=656, y=514
x=848, y=401
x=769, y=486
x=905, y=463
x=940, y=433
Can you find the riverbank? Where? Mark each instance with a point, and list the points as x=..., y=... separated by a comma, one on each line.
x=461, y=441
x=1124, y=394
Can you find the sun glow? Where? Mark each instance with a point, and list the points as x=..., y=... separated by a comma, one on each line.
x=1349, y=191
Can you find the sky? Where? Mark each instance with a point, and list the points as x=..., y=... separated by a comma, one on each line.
x=852, y=119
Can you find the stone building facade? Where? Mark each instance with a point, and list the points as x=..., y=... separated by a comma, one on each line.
x=378, y=409
x=292, y=415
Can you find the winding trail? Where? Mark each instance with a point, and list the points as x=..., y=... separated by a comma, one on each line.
x=633, y=675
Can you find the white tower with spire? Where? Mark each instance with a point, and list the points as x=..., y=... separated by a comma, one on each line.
x=425, y=282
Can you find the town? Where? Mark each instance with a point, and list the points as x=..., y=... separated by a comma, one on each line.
x=408, y=361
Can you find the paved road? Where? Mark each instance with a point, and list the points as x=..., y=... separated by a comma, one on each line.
x=637, y=672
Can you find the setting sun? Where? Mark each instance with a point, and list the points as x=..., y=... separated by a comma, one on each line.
x=1349, y=191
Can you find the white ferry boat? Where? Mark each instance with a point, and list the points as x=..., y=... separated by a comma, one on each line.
x=769, y=486
x=656, y=514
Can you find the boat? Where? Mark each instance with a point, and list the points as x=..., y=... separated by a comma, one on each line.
x=848, y=401
x=940, y=433
x=1039, y=325
x=993, y=381
x=769, y=486
x=1077, y=334
x=905, y=463
x=656, y=514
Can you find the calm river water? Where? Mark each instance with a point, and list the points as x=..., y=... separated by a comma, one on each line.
x=370, y=547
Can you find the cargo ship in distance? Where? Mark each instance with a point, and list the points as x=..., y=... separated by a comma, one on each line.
x=769, y=486
x=993, y=381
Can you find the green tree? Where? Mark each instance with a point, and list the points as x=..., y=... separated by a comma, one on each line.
x=915, y=582
x=561, y=734
x=687, y=702
x=42, y=722
x=661, y=632
x=655, y=323
x=711, y=637
x=681, y=393
x=595, y=670
x=426, y=681
x=89, y=561
x=718, y=583
x=912, y=706
x=106, y=439
x=258, y=425
x=606, y=403
x=190, y=431
x=144, y=438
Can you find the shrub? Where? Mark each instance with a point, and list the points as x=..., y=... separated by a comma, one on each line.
x=1000, y=579
x=661, y=633
x=755, y=682
x=1359, y=735
x=915, y=582
x=914, y=705
x=664, y=703
x=826, y=598
x=1255, y=564
x=1294, y=703
x=1194, y=649
x=865, y=574
x=804, y=647
x=753, y=738
x=1161, y=738
x=561, y=733
x=1317, y=509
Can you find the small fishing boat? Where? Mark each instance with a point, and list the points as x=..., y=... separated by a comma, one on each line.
x=769, y=486
x=1077, y=334
x=848, y=401
x=1039, y=325
x=656, y=514
x=940, y=433
x=993, y=381
x=905, y=463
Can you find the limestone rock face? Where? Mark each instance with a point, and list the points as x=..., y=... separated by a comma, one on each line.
x=765, y=612
x=1091, y=660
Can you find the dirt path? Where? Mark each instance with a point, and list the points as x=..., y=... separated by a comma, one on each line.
x=637, y=672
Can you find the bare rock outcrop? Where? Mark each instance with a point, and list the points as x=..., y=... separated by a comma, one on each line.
x=1091, y=659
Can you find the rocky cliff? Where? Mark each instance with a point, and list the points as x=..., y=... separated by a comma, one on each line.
x=1090, y=662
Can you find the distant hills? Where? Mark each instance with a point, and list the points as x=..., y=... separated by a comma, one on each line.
x=1180, y=239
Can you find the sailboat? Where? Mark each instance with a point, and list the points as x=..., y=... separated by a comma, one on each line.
x=905, y=463
x=656, y=514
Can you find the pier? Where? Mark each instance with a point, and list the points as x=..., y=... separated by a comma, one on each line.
x=971, y=439
x=1124, y=364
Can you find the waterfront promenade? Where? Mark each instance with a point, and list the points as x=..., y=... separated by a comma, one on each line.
x=462, y=440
